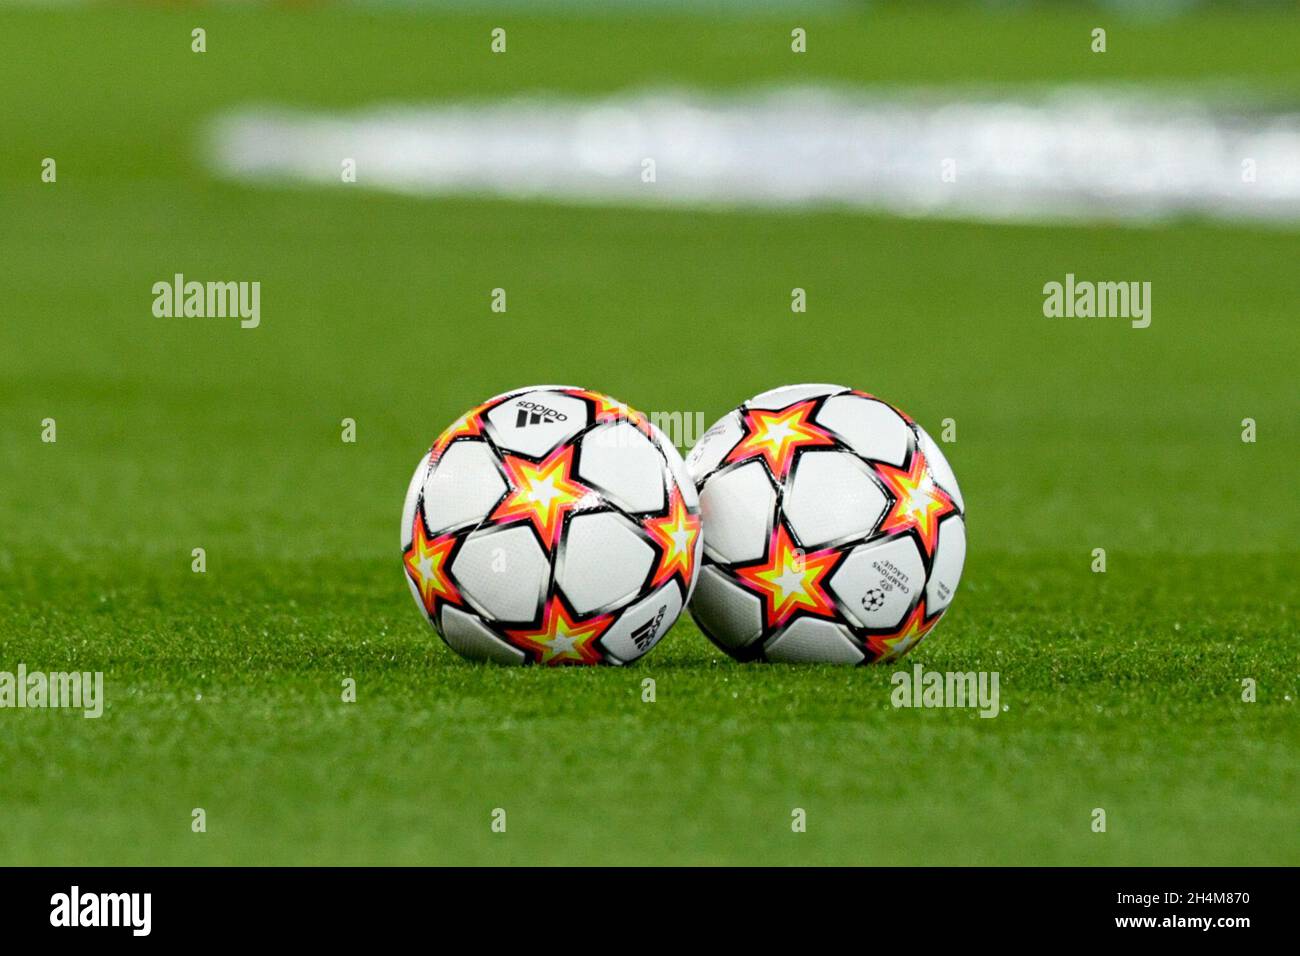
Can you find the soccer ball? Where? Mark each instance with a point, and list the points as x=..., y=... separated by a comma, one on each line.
x=551, y=525
x=834, y=530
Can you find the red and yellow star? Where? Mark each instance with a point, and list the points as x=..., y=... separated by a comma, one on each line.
x=676, y=534
x=888, y=647
x=541, y=493
x=426, y=562
x=790, y=581
x=609, y=410
x=562, y=639
x=777, y=435
x=469, y=425
x=919, y=504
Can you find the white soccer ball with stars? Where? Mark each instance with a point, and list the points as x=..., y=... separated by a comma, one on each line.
x=833, y=525
x=551, y=525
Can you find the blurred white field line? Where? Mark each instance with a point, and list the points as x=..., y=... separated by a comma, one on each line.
x=1078, y=154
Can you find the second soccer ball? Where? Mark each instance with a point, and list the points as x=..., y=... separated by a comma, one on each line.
x=834, y=529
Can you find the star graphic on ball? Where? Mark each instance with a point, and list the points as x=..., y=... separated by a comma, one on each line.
x=888, y=647
x=610, y=410
x=541, y=493
x=790, y=581
x=426, y=562
x=776, y=436
x=469, y=425
x=919, y=504
x=563, y=638
x=676, y=534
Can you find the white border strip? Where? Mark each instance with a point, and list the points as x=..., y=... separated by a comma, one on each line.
x=1073, y=154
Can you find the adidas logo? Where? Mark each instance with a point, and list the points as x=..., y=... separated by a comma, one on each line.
x=644, y=636
x=530, y=413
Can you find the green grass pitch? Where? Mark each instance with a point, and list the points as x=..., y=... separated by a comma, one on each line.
x=1122, y=689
